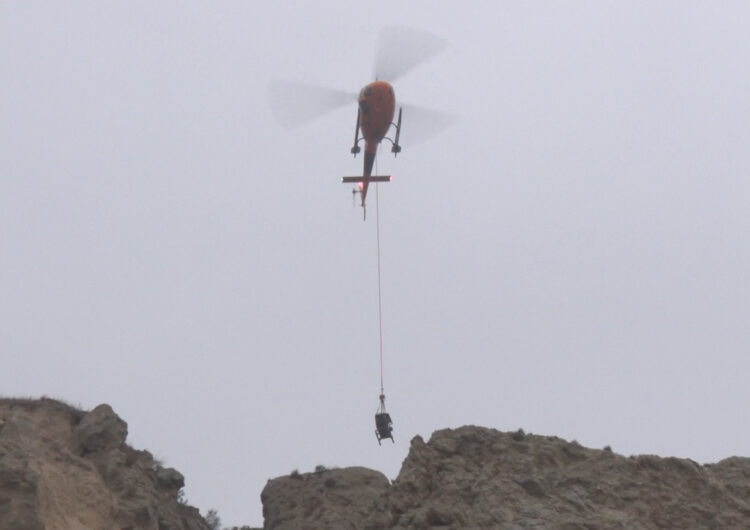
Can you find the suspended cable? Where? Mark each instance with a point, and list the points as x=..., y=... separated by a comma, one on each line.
x=383, y=422
x=380, y=303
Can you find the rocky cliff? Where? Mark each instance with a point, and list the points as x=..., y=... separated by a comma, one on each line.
x=65, y=469
x=475, y=477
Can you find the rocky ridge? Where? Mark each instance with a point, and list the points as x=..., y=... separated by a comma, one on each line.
x=63, y=468
x=474, y=477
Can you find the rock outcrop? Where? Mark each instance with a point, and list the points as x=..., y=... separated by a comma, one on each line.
x=327, y=498
x=62, y=468
x=474, y=477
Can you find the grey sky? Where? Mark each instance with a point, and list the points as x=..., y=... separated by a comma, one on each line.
x=569, y=257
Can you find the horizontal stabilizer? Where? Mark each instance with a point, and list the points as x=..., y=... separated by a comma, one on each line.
x=373, y=178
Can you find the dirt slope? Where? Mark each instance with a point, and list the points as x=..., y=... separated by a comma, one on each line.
x=473, y=477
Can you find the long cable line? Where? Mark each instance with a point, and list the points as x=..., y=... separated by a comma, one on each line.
x=383, y=422
x=380, y=304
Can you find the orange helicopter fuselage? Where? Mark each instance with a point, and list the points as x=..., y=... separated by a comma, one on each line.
x=377, y=104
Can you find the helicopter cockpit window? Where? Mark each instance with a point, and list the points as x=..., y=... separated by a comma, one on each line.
x=368, y=90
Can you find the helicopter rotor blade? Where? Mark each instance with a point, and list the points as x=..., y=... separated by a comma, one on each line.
x=402, y=49
x=296, y=103
x=421, y=124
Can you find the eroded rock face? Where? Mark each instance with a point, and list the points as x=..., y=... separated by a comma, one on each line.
x=473, y=477
x=62, y=468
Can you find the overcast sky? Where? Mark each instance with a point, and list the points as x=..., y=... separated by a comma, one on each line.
x=570, y=257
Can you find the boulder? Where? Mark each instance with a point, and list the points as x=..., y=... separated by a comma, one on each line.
x=101, y=430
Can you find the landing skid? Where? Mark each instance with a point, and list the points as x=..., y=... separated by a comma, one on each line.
x=395, y=148
x=356, y=148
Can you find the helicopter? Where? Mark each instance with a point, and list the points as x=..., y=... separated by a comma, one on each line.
x=399, y=50
x=376, y=106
